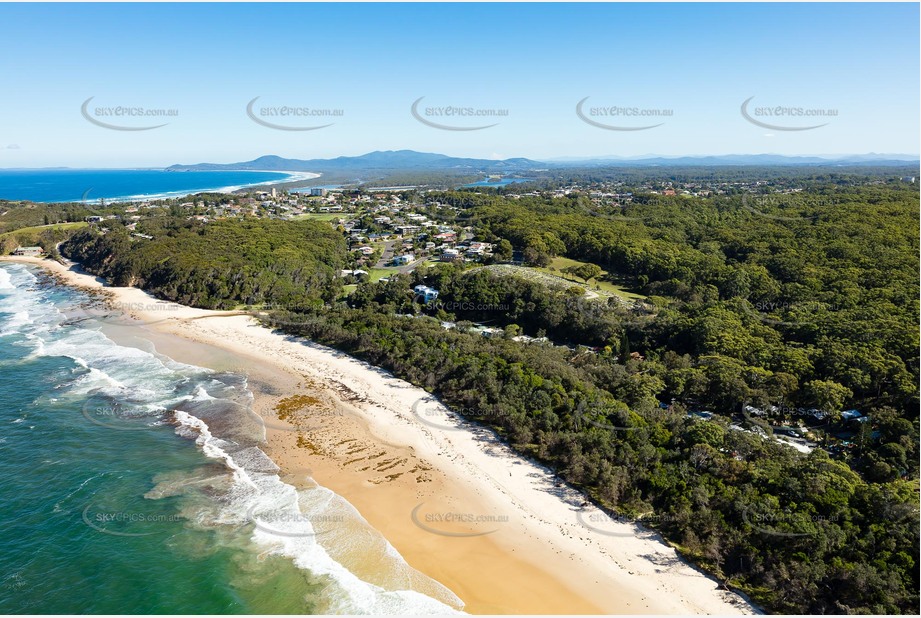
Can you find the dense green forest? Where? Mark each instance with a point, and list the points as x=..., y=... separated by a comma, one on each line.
x=800, y=176
x=799, y=533
x=802, y=299
x=219, y=265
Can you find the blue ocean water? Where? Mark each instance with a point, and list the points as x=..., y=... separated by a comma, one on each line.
x=497, y=183
x=71, y=185
x=131, y=483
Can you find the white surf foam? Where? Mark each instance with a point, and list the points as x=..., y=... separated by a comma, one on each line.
x=138, y=381
x=12, y=325
x=284, y=519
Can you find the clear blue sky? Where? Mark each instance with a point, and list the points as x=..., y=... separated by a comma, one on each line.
x=372, y=61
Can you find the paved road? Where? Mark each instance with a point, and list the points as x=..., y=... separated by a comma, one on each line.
x=387, y=255
x=408, y=268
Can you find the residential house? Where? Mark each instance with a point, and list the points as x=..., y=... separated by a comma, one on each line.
x=450, y=255
x=29, y=251
x=426, y=293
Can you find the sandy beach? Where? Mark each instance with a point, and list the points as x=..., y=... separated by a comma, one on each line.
x=501, y=532
x=295, y=180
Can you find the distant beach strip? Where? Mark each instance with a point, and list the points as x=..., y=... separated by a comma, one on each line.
x=132, y=185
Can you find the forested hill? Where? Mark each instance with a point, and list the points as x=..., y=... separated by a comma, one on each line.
x=789, y=298
x=221, y=264
x=783, y=302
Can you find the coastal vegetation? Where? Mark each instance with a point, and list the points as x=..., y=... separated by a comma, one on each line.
x=782, y=302
x=44, y=225
x=17, y=215
x=219, y=265
x=45, y=236
x=799, y=533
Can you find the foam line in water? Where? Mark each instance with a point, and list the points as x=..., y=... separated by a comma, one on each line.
x=284, y=524
x=211, y=447
x=215, y=409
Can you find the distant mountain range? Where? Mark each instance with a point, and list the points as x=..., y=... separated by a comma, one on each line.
x=391, y=160
x=410, y=160
x=740, y=159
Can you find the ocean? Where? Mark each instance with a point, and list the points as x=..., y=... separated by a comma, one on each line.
x=73, y=185
x=132, y=483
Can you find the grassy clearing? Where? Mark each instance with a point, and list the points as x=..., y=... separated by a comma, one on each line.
x=324, y=216
x=376, y=274
x=553, y=280
x=41, y=228
x=560, y=263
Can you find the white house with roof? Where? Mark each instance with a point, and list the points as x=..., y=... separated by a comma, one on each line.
x=406, y=258
x=449, y=255
x=408, y=230
x=426, y=293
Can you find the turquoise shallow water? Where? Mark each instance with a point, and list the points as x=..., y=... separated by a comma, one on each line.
x=134, y=484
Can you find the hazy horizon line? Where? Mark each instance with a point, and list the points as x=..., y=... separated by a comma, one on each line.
x=907, y=157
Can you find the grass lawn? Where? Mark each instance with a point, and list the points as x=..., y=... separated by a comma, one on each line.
x=324, y=216
x=560, y=263
x=40, y=228
x=376, y=274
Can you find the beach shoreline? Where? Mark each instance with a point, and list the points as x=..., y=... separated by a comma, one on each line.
x=297, y=180
x=292, y=180
x=502, y=532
